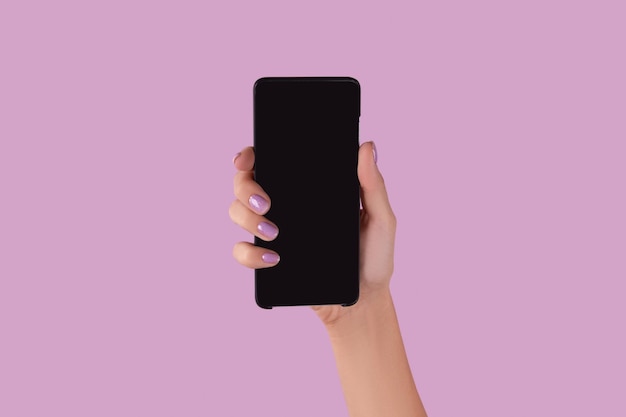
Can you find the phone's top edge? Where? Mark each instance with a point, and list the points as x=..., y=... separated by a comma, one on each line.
x=317, y=78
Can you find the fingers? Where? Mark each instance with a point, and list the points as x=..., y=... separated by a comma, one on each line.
x=252, y=202
x=247, y=190
x=254, y=256
x=252, y=222
x=373, y=192
x=247, y=211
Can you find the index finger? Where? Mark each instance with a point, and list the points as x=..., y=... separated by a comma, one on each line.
x=244, y=160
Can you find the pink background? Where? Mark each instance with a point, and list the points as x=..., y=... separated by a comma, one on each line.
x=501, y=130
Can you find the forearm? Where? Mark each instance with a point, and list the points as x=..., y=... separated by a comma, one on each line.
x=372, y=363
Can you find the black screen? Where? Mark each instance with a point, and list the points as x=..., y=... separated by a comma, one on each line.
x=306, y=147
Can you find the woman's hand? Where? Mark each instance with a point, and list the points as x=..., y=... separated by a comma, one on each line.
x=373, y=367
x=377, y=232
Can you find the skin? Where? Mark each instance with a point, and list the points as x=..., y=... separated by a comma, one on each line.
x=371, y=360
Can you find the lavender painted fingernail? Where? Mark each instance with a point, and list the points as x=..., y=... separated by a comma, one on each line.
x=237, y=155
x=267, y=230
x=258, y=203
x=270, y=258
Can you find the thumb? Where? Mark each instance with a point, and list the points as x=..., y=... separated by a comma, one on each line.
x=373, y=192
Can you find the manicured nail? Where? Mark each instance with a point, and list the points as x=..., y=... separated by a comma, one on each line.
x=374, y=152
x=258, y=203
x=237, y=155
x=270, y=258
x=267, y=230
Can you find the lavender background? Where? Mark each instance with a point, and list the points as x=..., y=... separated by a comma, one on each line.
x=501, y=134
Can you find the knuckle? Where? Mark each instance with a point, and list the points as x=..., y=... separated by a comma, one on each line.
x=241, y=253
x=238, y=184
x=233, y=211
x=246, y=257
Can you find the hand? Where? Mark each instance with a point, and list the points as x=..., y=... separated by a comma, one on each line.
x=377, y=232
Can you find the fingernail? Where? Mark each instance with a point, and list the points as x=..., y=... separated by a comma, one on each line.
x=267, y=230
x=374, y=153
x=258, y=203
x=237, y=155
x=270, y=258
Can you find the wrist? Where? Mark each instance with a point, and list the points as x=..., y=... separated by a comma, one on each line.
x=373, y=307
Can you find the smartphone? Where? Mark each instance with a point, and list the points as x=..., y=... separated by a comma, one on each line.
x=306, y=143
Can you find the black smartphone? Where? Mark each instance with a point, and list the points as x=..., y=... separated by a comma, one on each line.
x=306, y=143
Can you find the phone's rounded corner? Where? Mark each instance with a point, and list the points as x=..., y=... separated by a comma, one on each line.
x=264, y=307
x=260, y=302
x=355, y=85
x=354, y=81
x=260, y=81
x=352, y=301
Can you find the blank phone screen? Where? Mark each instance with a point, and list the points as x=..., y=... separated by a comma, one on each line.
x=306, y=150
